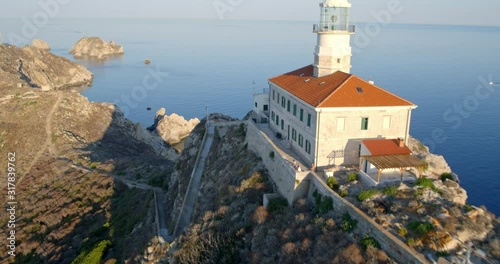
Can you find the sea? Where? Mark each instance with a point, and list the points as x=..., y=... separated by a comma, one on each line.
x=201, y=65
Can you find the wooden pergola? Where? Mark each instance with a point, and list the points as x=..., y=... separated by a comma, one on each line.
x=400, y=162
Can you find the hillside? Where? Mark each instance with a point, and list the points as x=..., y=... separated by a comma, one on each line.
x=74, y=163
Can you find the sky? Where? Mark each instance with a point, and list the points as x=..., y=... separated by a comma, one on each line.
x=481, y=12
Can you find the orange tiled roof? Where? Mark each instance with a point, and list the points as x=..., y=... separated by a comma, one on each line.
x=336, y=90
x=385, y=147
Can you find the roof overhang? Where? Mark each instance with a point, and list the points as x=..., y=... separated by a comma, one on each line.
x=395, y=162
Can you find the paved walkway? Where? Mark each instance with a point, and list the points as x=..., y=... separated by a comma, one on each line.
x=284, y=148
x=194, y=185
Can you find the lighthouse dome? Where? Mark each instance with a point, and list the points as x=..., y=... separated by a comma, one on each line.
x=336, y=3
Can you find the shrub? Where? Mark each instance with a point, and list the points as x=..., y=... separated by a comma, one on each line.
x=352, y=177
x=367, y=194
x=95, y=254
x=348, y=224
x=411, y=242
x=241, y=130
x=403, y=231
x=325, y=205
x=343, y=193
x=369, y=241
x=271, y=155
x=421, y=228
x=446, y=176
x=425, y=183
x=332, y=183
x=277, y=205
x=390, y=191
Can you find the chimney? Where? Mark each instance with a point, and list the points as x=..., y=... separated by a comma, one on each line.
x=401, y=142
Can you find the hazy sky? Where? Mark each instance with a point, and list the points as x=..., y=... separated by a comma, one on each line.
x=479, y=12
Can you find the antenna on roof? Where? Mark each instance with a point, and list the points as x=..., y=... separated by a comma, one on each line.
x=321, y=83
x=371, y=81
x=308, y=80
x=302, y=74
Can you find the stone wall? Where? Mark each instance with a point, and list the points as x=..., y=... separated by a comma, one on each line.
x=289, y=183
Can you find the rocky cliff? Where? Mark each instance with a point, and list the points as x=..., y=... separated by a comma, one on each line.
x=38, y=43
x=95, y=48
x=38, y=68
x=85, y=175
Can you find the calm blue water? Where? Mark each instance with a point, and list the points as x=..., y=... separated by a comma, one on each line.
x=211, y=62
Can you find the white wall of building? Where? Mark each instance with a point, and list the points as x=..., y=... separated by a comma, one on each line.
x=308, y=133
x=332, y=136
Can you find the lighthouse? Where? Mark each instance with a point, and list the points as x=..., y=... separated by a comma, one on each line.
x=333, y=50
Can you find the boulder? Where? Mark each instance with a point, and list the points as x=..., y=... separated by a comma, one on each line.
x=38, y=43
x=95, y=48
x=173, y=128
x=38, y=68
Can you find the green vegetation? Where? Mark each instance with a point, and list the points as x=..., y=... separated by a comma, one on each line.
x=367, y=194
x=426, y=183
x=93, y=165
x=241, y=130
x=93, y=256
x=323, y=204
x=403, y=232
x=421, y=228
x=343, y=193
x=348, y=224
x=369, y=242
x=411, y=242
x=277, y=205
x=390, y=191
x=446, y=176
x=271, y=155
x=352, y=177
x=332, y=183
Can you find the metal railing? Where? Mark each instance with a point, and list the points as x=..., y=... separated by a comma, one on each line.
x=332, y=28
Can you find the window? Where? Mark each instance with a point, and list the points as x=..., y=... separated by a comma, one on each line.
x=288, y=106
x=294, y=134
x=301, y=140
x=283, y=101
x=338, y=60
x=308, y=147
x=277, y=120
x=255, y=104
x=387, y=122
x=364, y=123
x=282, y=124
x=272, y=116
x=301, y=114
x=341, y=124
x=266, y=107
x=294, y=110
x=274, y=93
x=278, y=98
x=359, y=151
x=309, y=120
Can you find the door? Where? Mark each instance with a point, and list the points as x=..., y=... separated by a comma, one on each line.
x=288, y=138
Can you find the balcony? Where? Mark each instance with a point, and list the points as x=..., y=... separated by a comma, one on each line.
x=351, y=29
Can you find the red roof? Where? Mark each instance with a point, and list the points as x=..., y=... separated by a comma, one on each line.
x=336, y=90
x=385, y=147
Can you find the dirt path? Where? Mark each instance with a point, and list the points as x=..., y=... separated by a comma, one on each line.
x=48, y=139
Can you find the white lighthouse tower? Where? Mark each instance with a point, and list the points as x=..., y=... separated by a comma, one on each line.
x=333, y=51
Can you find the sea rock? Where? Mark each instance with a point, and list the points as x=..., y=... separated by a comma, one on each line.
x=38, y=68
x=96, y=48
x=172, y=129
x=38, y=43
